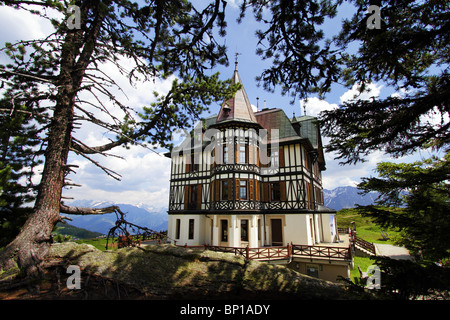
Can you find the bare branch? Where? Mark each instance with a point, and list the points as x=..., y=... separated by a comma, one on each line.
x=86, y=210
x=81, y=146
x=109, y=172
x=48, y=79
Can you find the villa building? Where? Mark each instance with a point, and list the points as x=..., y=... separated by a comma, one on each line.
x=251, y=179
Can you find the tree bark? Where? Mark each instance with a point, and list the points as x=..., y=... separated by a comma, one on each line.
x=32, y=244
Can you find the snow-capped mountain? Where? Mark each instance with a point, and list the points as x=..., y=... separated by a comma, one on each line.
x=145, y=216
x=347, y=197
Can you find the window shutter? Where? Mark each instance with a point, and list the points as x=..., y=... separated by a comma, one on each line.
x=230, y=190
x=252, y=190
x=266, y=194
x=281, y=156
x=199, y=197
x=238, y=189
x=258, y=191
x=283, y=190
x=211, y=192
x=247, y=154
x=188, y=166
x=257, y=156
x=186, y=197
x=216, y=190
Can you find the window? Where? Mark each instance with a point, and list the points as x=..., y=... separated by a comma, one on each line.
x=225, y=194
x=177, y=229
x=224, y=230
x=242, y=154
x=312, y=271
x=243, y=190
x=225, y=155
x=274, y=159
x=259, y=229
x=275, y=193
x=244, y=230
x=192, y=197
x=191, y=229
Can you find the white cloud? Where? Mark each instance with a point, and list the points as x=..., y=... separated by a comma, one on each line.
x=235, y=3
x=145, y=178
x=21, y=25
x=372, y=90
x=337, y=175
x=315, y=105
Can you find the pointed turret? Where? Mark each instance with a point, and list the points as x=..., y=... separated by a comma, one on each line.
x=237, y=108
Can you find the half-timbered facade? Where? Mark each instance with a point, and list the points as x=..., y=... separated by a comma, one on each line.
x=245, y=178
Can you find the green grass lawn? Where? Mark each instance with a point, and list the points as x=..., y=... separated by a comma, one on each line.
x=363, y=263
x=98, y=243
x=365, y=228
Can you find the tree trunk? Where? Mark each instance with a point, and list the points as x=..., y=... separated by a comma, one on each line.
x=32, y=244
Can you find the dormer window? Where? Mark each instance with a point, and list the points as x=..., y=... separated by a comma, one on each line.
x=226, y=111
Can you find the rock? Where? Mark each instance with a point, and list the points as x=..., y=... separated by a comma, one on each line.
x=166, y=271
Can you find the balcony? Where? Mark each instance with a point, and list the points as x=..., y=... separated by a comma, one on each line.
x=236, y=167
x=236, y=205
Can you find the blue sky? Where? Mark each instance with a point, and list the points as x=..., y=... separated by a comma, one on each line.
x=145, y=174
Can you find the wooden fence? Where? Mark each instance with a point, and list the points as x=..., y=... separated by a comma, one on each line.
x=285, y=252
x=330, y=253
x=298, y=251
x=361, y=243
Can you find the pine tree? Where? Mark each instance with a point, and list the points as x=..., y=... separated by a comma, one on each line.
x=19, y=158
x=422, y=200
x=409, y=53
x=162, y=38
x=407, y=50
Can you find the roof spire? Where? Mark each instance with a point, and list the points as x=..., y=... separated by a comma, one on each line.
x=237, y=108
x=236, y=60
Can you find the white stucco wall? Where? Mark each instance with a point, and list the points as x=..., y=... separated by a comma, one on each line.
x=306, y=229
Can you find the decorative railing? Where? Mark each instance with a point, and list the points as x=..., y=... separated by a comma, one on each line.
x=285, y=252
x=361, y=243
x=344, y=230
x=358, y=242
x=264, y=253
x=330, y=253
x=268, y=253
x=236, y=167
x=236, y=205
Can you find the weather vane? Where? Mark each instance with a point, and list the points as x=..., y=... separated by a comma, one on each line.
x=236, y=58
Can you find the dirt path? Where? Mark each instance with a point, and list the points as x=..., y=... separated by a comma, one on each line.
x=394, y=252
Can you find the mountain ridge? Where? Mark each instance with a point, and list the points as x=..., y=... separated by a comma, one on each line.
x=347, y=197
x=144, y=216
